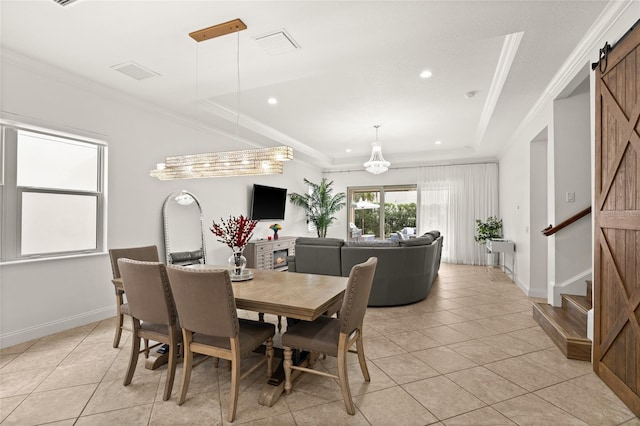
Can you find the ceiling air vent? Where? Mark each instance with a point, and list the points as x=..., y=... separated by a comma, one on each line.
x=277, y=42
x=135, y=71
x=64, y=2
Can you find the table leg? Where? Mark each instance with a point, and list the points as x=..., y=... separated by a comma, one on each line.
x=272, y=390
x=156, y=360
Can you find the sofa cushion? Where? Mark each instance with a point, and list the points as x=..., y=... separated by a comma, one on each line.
x=434, y=233
x=372, y=243
x=306, y=241
x=420, y=241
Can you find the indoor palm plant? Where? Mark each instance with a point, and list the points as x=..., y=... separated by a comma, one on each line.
x=320, y=204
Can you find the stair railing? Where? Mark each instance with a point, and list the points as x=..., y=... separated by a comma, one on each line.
x=550, y=230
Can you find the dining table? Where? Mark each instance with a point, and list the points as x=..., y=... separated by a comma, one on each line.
x=288, y=294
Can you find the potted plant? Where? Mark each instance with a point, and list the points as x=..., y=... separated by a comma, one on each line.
x=487, y=230
x=320, y=204
x=491, y=228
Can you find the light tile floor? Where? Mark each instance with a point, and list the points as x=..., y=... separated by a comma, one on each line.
x=469, y=354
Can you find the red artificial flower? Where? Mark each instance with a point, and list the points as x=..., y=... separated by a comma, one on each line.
x=235, y=232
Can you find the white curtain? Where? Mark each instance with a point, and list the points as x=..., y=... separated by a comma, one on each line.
x=451, y=199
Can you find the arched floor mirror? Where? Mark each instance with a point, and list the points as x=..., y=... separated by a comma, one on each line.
x=183, y=229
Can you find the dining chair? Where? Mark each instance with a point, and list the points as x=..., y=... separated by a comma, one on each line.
x=153, y=311
x=335, y=336
x=147, y=254
x=210, y=326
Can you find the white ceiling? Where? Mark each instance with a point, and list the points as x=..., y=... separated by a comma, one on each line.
x=358, y=66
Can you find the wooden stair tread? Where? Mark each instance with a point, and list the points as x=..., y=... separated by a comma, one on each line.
x=584, y=303
x=568, y=334
x=565, y=324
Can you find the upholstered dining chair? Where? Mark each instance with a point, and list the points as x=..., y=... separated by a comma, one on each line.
x=147, y=254
x=335, y=336
x=210, y=325
x=153, y=311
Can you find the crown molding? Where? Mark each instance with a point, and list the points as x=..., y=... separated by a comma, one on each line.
x=507, y=55
x=578, y=59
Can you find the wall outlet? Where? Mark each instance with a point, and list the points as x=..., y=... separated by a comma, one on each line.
x=571, y=197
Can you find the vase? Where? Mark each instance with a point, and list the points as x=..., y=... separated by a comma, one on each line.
x=275, y=235
x=237, y=262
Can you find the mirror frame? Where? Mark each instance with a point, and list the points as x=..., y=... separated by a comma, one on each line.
x=165, y=220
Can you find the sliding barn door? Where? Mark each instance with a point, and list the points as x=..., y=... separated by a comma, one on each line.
x=616, y=346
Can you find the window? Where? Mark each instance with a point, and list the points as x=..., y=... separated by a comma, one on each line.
x=380, y=212
x=52, y=197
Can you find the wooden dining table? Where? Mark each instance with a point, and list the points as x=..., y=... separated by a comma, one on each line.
x=287, y=294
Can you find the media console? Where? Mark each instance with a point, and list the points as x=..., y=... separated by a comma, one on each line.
x=270, y=254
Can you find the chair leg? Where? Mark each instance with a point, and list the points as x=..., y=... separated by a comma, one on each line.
x=269, y=353
x=342, y=375
x=119, y=320
x=146, y=348
x=279, y=323
x=361, y=358
x=135, y=352
x=187, y=365
x=235, y=379
x=171, y=368
x=287, y=369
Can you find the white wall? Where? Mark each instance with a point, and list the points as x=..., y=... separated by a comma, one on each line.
x=514, y=185
x=572, y=171
x=40, y=298
x=538, y=217
x=515, y=196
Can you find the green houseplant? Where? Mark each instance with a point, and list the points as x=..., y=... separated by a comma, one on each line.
x=320, y=204
x=490, y=228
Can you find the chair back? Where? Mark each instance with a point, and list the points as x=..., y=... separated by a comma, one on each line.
x=146, y=254
x=148, y=291
x=204, y=300
x=356, y=296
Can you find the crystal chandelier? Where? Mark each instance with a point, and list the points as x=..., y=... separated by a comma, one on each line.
x=376, y=164
x=247, y=162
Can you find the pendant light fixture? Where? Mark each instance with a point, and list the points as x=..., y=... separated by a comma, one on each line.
x=260, y=161
x=376, y=164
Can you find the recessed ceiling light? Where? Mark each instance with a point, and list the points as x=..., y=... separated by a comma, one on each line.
x=438, y=142
x=426, y=74
x=272, y=101
x=348, y=150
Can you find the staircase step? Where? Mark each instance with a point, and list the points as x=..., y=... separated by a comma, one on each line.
x=577, y=307
x=565, y=331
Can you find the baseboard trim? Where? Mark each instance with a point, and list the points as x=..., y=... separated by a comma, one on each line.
x=24, y=335
x=573, y=285
x=541, y=293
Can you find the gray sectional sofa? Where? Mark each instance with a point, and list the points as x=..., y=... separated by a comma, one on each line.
x=405, y=272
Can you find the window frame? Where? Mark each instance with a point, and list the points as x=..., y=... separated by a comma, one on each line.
x=381, y=189
x=11, y=195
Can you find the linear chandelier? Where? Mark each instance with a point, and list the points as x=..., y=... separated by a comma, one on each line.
x=376, y=164
x=247, y=162
x=260, y=161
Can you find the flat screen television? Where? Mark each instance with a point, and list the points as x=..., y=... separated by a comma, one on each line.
x=268, y=202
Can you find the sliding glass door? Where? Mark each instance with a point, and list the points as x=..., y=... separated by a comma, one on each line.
x=379, y=212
